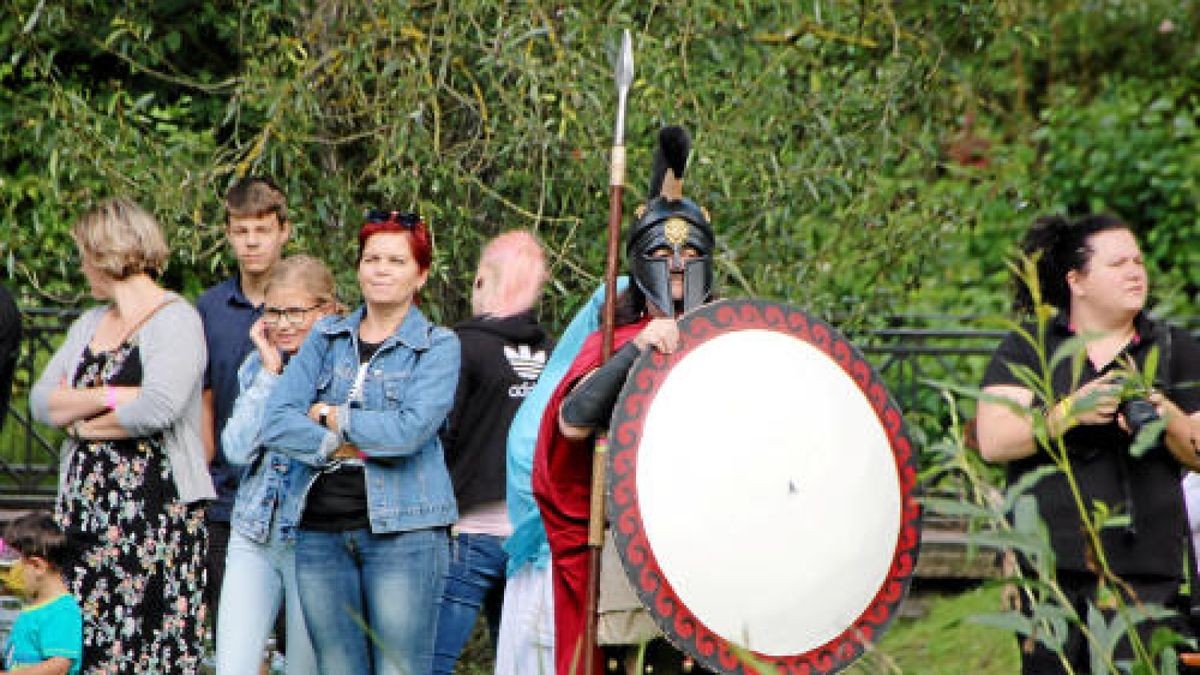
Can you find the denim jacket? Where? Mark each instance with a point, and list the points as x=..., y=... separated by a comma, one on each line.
x=405, y=397
x=271, y=482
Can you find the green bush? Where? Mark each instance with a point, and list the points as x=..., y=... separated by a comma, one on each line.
x=1134, y=151
x=817, y=130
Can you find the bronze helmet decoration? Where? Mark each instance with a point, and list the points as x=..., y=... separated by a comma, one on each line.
x=672, y=222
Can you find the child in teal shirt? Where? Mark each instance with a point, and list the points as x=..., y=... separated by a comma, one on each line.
x=47, y=637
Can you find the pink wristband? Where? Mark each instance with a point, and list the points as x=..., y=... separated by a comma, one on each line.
x=110, y=397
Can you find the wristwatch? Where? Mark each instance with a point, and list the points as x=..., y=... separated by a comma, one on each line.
x=323, y=416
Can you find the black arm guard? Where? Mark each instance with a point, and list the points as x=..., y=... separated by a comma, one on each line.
x=590, y=403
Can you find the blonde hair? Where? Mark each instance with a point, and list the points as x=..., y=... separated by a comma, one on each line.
x=518, y=271
x=121, y=239
x=306, y=272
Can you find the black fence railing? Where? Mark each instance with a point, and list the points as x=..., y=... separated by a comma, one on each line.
x=913, y=354
x=917, y=355
x=914, y=360
x=29, y=451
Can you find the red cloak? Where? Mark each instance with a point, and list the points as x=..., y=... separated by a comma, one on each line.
x=562, y=485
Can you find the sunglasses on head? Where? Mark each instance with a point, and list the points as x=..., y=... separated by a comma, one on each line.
x=406, y=219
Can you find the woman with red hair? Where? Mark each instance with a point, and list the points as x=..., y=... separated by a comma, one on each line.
x=362, y=402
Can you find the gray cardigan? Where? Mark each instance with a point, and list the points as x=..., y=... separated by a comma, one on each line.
x=171, y=346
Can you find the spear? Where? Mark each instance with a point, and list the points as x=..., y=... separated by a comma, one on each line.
x=616, y=187
x=623, y=75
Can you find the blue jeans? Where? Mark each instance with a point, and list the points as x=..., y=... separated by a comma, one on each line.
x=258, y=577
x=475, y=580
x=371, y=600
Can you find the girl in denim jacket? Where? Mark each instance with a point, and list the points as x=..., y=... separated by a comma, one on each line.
x=260, y=566
x=364, y=399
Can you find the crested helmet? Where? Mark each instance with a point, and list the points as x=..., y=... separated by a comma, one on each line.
x=666, y=225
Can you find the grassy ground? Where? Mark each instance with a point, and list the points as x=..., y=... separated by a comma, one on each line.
x=943, y=641
x=940, y=642
x=477, y=657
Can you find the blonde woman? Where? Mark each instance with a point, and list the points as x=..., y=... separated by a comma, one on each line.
x=260, y=568
x=125, y=385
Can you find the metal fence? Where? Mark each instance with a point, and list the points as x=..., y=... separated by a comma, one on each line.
x=29, y=451
x=920, y=354
x=912, y=353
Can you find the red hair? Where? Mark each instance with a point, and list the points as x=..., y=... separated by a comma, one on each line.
x=420, y=239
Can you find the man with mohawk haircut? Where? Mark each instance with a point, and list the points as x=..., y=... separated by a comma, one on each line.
x=504, y=349
x=668, y=251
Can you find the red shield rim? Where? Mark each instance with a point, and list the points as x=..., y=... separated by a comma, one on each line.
x=680, y=625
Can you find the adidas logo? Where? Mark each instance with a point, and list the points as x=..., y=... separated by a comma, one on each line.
x=520, y=390
x=527, y=363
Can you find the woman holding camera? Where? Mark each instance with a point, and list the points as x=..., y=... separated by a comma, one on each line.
x=1091, y=270
x=363, y=400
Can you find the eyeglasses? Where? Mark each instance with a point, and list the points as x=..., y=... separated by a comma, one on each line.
x=405, y=219
x=273, y=316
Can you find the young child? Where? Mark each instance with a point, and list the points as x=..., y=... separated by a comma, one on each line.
x=47, y=637
x=260, y=566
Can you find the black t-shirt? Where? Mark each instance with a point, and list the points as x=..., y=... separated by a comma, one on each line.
x=337, y=500
x=1145, y=488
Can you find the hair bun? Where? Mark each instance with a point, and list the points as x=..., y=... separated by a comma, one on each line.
x=1045, y=234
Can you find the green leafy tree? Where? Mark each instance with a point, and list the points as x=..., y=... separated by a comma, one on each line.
x=817, y=130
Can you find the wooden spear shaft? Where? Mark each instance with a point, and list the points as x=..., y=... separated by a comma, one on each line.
x=616, y=189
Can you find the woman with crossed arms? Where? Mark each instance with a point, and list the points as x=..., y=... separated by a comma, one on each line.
x=364, y=399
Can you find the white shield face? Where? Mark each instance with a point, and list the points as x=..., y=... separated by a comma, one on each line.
x=793, y=504
x=762, y=491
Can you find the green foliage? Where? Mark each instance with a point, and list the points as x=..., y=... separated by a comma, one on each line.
x=825, y=133
x=1133, y=151
x=1008, y=59
x=821, y=132
x=817, y=132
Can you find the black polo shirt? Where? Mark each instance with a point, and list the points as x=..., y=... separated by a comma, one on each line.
x=1146, y=488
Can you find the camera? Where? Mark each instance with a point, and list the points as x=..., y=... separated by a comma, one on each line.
x=1138, y=413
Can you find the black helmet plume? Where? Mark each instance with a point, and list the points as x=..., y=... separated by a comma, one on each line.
x=674, y=146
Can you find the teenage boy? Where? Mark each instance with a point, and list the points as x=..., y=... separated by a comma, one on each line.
x=47, y=637
x=257, y=227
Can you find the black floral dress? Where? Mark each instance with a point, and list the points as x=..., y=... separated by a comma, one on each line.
x=139, y=566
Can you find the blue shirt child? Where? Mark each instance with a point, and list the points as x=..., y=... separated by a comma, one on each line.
x=41, y=632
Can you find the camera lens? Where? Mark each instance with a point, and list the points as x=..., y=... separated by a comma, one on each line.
x=1138, y=413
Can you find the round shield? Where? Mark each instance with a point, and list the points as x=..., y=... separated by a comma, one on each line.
x=762, y=491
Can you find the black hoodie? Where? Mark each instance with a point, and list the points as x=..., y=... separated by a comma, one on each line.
x=501, y=361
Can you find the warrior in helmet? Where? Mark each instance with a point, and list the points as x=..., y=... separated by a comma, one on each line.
x=669, y=251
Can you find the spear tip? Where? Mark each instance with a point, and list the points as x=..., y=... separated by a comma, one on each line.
x=624, y=70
